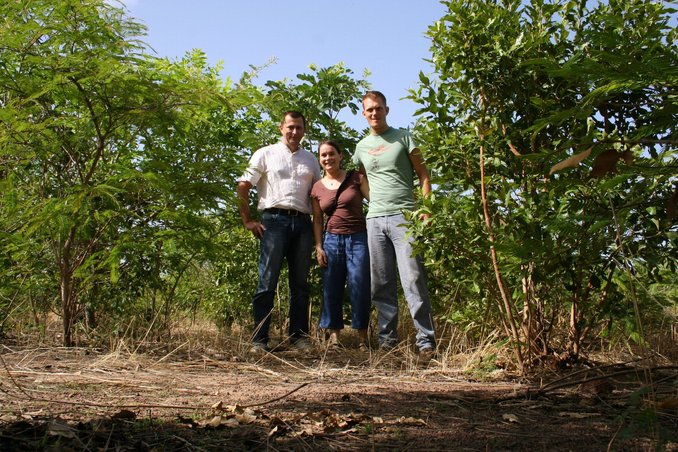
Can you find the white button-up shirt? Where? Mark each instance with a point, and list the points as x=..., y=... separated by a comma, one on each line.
x=283, y=178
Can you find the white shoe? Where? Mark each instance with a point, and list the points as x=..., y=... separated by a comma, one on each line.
x=302, y=345
x=259, y=349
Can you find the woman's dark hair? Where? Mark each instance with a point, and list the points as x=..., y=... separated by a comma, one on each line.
x=332, y=143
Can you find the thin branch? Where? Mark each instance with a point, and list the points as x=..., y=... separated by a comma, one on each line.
x=603, y=377
x=583, y=371
x=9, y=374
x=277, y=398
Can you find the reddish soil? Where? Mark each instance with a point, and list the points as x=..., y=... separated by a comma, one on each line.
x=84, y=399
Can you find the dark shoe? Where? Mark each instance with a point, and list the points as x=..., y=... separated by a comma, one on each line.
x=426, y=355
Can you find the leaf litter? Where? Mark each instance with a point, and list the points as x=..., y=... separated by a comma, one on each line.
x=94, y=401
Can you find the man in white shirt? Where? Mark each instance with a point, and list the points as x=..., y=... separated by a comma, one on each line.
x=283, y=174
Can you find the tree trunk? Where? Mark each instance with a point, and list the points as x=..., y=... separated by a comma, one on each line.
x=575, y=332
x=495, y=264
x=68, y=302
x=67, y=308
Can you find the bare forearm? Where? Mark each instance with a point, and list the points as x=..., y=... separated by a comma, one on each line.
x=251, y=225
x=243, y=203
x=318, y=218
x=425, y=185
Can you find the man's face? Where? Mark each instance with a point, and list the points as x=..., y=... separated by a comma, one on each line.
x=292, y=131
x=375, y=113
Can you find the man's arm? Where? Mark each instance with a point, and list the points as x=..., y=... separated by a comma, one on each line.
x=251, y=225
x=365, y=187
x=422, y=173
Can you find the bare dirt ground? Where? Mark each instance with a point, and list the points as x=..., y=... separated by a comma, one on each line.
x=83, y=399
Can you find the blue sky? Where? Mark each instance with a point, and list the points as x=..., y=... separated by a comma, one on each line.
x=384, y=36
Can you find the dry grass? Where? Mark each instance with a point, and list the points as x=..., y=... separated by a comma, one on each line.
x=189, y=340
x=486, y=358
x=195, y=370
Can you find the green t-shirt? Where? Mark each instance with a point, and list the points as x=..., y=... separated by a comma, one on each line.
x=389, y=171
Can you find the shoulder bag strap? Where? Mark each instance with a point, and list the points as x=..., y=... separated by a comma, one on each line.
x=341, y=188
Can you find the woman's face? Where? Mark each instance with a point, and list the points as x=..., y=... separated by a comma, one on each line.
x=329, y=158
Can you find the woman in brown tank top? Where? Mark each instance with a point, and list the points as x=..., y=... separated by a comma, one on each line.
x=341, y=244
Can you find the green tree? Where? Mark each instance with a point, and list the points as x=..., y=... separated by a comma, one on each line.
x=322, y=96
x=112, y=161
x=521, y=92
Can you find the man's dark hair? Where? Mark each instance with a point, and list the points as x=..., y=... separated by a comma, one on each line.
x=293, y=114
x=375, y=95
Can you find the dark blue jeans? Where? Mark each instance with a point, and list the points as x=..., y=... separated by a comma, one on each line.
x=290, y=238
x=348, y=264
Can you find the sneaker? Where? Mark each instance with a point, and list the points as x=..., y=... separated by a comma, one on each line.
x=303, y=345
x=426, y=355
x=259, y=348
x=387, y=346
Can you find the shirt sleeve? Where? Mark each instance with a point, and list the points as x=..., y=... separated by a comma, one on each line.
x=356, y=158
x=410, y=144
x=316, y=167
x=255, y=168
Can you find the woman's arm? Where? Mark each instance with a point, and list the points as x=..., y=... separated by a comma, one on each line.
x=318, y=219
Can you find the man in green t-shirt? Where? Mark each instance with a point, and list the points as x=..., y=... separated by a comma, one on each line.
x=390, y=159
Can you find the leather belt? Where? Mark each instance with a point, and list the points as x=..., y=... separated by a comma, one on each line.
x=288, y=212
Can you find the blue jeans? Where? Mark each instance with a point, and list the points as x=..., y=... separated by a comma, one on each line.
x=389, y=246
x=348, y=264
x=291, y=238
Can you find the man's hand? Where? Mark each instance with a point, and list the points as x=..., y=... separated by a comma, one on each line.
x=320, y=256
x=256, y=228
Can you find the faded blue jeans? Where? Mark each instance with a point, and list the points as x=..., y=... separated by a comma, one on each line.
x=348, y=264
x=390, y=246
x=291, y=238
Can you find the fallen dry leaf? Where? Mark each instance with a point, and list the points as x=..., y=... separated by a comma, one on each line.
x=411, y=420
x=668, y=404
x=230, y=422
x=305, y=431
x=213, y=422
x=234, y=408
x=245, y=418
x=60, y=428
x=510, y=417
x=218, y=405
